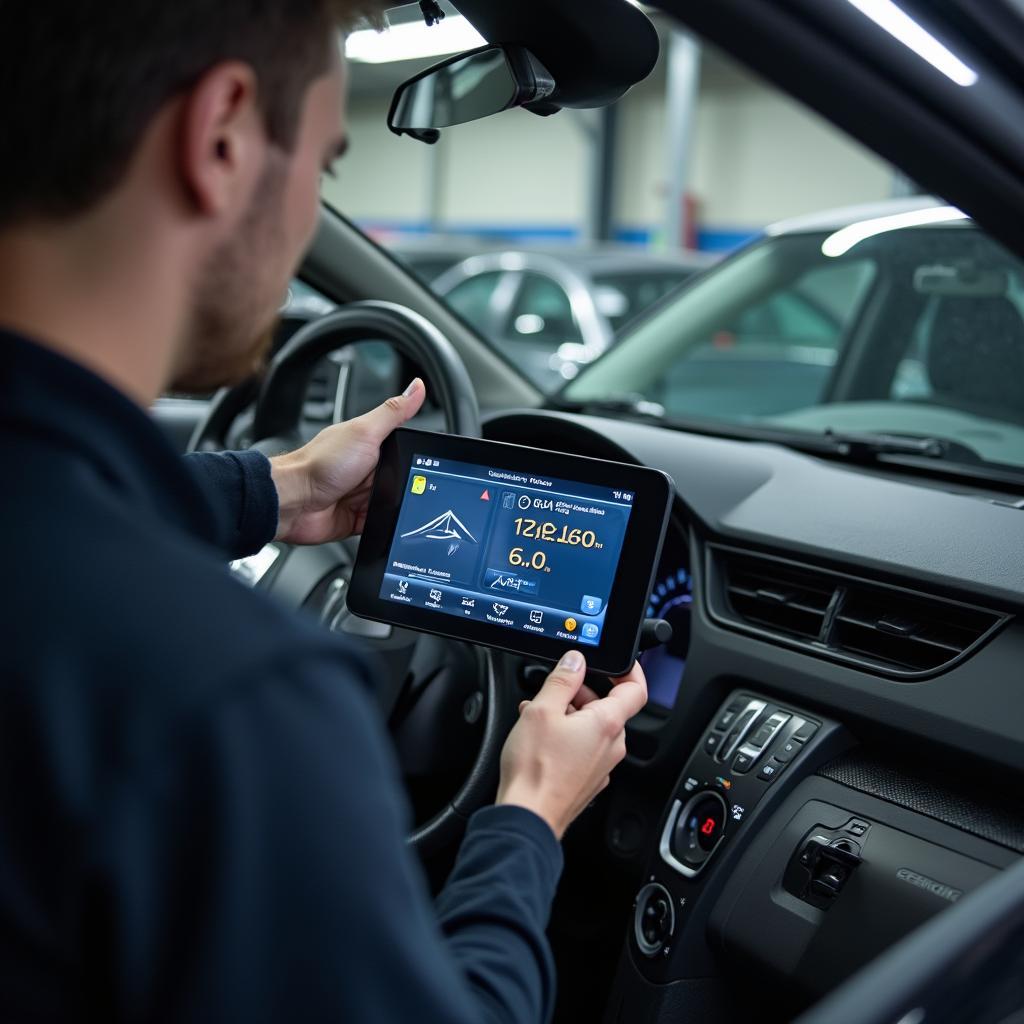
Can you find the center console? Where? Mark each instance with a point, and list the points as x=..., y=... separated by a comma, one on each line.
x=771, y=866
x=746, y=753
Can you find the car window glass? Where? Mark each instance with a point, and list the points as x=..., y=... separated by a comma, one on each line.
x=542, y=312
x=833, y=294
x=472, y=299
x=814, y=310
x=775, y=354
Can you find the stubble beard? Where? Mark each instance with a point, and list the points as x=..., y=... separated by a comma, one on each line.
x=234, y=316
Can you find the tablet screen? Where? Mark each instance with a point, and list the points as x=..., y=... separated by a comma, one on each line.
x=525, y=552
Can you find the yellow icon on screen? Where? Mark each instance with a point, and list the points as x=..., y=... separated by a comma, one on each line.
x=419, y=484
x=570, y=624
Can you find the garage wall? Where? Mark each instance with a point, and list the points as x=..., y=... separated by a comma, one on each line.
x=758, y=157
x=535, y=173
x=383, y=177
x=526, y=169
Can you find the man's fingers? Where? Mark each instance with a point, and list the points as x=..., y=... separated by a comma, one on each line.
x=563, y=684
x=390, y=415
x=627, y=695
x=627, y=698
x=584, y=697
x=635, y=674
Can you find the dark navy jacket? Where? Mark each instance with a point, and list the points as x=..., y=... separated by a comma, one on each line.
x=200, y=817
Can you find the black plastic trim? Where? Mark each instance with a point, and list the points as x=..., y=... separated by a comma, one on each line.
x=717, y=607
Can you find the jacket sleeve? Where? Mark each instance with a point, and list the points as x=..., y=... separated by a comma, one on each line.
x=261, y=873
x=240, y=487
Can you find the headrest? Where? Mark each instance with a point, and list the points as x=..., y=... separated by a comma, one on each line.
x=976, y=353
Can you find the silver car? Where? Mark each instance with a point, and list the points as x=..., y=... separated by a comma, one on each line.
x=550, y=311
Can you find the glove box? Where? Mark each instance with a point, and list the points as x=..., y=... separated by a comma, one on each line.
x=836, y=877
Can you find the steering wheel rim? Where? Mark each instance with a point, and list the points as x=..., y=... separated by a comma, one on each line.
x=212, y=433
x=964, y=964
x=281, y=397
x=279, y=406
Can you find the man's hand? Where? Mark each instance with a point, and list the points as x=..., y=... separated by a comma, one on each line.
x=323, y=488
x=567, y=740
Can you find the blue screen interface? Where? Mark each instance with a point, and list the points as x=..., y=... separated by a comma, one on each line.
x=508, y=548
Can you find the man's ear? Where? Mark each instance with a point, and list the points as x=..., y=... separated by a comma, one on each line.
x=222, y=139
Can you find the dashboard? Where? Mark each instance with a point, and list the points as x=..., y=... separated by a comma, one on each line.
x=812, y=777
x=832, y=748
x=671, y=600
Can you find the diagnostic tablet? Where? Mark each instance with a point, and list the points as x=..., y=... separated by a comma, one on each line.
x=526, y=550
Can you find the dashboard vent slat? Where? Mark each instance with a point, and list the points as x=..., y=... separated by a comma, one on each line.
x=879, y=627
x=777, y=597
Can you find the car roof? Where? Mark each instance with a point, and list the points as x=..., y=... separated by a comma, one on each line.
x=624, y=258
x=833, y=220
x=582, y=263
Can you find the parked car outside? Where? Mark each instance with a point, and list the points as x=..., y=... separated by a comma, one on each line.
x=552, y=311
x=900, y=317
x=428, y=256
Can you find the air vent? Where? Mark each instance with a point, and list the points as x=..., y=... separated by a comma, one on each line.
x=912, y=633
x=887, y=629
x=777, y=596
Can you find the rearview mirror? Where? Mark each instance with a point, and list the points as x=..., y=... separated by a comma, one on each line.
x=469, y=86
x=963, y=279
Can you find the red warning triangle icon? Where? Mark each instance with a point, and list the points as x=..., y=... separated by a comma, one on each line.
x=485, y=496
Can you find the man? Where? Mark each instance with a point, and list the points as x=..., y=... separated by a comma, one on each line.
x=200, y=819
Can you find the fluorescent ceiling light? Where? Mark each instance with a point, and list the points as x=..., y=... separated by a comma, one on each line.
x=843, y=240
x=413, y=39
x=885, y=14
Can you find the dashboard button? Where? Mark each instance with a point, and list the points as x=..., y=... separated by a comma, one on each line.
x=653, y=919
x=710, y=821
x=770, y=770
x=762, y=735
x=738, y=730
x=712, y=743
x=742, y=763
x=725, y=719
x=805, y=732
x=787, y=751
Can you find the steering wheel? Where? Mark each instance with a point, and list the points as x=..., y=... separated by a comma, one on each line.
x=965, y=964
x=410, y=660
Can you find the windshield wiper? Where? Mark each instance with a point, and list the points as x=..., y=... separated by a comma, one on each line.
x=624, y=405
x=867, y=447
x=923, y=453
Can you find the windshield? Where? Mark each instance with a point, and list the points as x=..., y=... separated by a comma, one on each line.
x=569, y=243
x=915, y=331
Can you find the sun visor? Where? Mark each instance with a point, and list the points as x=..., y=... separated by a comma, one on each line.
x=596, y=50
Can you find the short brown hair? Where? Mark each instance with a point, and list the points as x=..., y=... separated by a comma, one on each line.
x=82, y=81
